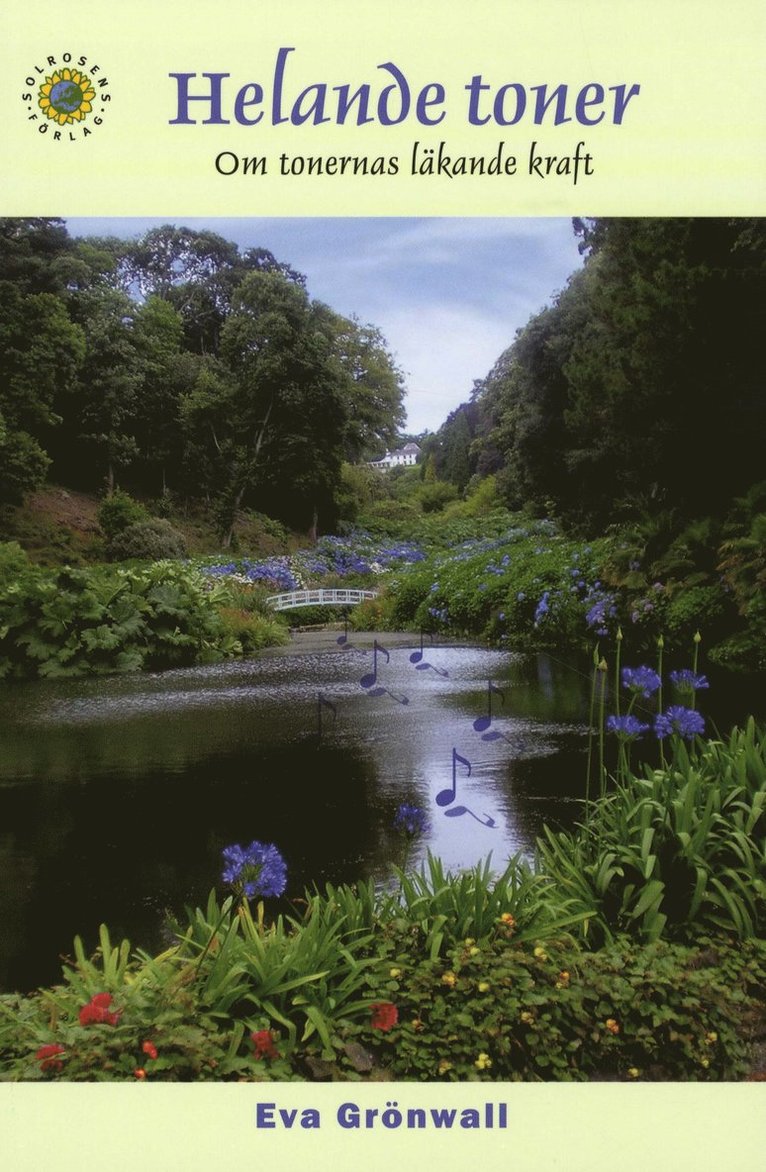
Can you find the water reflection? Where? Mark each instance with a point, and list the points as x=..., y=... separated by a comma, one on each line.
x=117, y=795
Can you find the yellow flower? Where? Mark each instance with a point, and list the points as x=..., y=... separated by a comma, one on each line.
x=483, y=986
x=66, y=96
x=634, y=1072
x=705, y=1062
x=469, y=940
x=450, y=979
x=711, y=1037
x=564, y=976
x=395, y=972
x=540, y=953
x=474, y=951
x=508, y=920
x=483, y=1062
x=527, y=1017
x=612, y=1025
x=444, y=1066
x=416, y=1024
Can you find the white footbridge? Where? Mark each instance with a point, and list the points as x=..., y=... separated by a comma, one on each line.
x=297, y=598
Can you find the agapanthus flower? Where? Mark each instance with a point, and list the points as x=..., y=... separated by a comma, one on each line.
x=97, y=1011
x=627, y=728
x=643, y=680
x=384, y=1015
x=256, y=870
x=263, y=1042
x=48, y=1056
x=411, y=820
x=686, y=722
x=688, y=681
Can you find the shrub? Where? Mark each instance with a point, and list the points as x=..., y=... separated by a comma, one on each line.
x=118, y=511
x=13, y=562
x=253, y=631
x=548, y=1011
x=151, y=540
x=71, y=622
x=676, y=851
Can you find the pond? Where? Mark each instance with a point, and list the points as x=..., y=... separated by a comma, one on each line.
x=117, y=794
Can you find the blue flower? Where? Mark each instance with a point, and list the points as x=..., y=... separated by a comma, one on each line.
x=643, y=680
x=411, y=820
x=627, y=728
x=686, y=722
x=543, y=607
x=687, y=681
x=256, y=870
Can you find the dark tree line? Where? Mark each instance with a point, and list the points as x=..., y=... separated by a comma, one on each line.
x=640, y=390
x=179, y=363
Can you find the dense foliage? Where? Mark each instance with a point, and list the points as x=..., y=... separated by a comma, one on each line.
x=70, y=622
x=177, y=362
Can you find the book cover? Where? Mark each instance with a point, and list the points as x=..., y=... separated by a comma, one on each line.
x=378, y=143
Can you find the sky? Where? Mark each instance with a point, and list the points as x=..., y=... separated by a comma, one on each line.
x=448, y=294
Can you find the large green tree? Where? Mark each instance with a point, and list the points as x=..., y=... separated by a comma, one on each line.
x=640, y=389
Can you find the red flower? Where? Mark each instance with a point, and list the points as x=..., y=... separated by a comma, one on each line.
x=384, y=1015
x=263, y=1040
x=47, y=1056
x=139, y=1073
x=150, y=1049
x=97, y=1010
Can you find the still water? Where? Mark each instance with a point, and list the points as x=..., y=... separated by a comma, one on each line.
x=118, y=794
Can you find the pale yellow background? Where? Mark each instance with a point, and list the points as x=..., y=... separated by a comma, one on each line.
x=692, y=143
x=691, y=140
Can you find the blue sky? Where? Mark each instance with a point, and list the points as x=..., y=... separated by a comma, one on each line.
x=447, y=293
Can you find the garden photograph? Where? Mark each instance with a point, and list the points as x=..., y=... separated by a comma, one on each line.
x=382, y=650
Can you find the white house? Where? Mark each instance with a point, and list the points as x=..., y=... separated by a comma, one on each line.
x=401, y=456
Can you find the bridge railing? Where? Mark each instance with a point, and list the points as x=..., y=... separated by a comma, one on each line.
x=296, y=598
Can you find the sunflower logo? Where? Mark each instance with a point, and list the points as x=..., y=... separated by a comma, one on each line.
x=66, y=96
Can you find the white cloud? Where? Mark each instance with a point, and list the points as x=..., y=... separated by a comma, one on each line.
x=442, y=349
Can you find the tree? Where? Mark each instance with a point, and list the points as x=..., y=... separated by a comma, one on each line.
x=641, y=380
x=40, y=354
x=269, y=416
x=373, y=389
x=104, y=413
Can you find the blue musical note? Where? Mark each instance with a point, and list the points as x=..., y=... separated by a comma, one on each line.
x=371, y=677
x=418, y=655
x=420, y=665
x=342, y=640
x=446, y=797
x=482, y=724
x=369, y=680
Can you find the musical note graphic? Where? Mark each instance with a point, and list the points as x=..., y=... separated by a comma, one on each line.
x=342, y=640
x=322, y=700
x=420, y=665
x=418, y=655
x=446, y=797
x=483, y=723
x=370, y=679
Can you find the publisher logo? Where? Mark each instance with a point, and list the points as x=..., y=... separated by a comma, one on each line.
x=66, y=96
